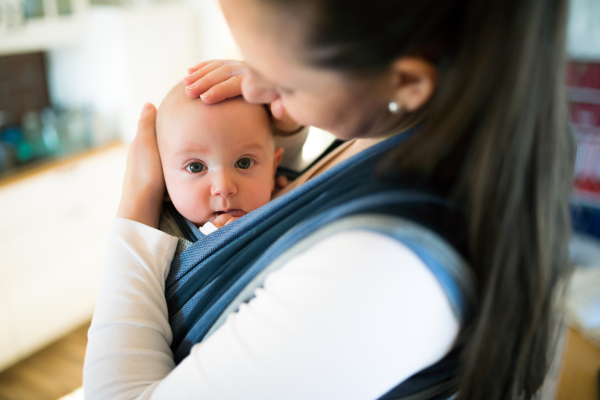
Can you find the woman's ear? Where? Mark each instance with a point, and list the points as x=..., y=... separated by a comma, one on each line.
x=414, y=81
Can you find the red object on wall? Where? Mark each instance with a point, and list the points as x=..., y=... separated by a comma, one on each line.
x=583, y=90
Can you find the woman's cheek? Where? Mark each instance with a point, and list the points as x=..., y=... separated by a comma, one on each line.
x=302, y=112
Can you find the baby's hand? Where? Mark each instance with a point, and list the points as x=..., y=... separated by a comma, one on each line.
x=223, y=220
x=281, y=181
x=215, y=80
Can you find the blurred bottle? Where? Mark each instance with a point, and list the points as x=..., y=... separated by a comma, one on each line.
x=33, y=146
x=98, y=133
x=73, y=131
x=49, y=132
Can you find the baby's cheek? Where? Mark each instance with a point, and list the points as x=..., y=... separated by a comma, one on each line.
x=262, y=193
x=188, y=200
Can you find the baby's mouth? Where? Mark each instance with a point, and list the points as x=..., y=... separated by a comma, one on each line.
x=233, y=213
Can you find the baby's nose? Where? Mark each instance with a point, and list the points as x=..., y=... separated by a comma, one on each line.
x=223, y=184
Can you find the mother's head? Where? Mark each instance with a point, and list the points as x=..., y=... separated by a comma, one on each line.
x=334, y=65
x=485, y=80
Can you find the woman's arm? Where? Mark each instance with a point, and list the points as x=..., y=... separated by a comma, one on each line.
x=128, y=342
x=349, y=318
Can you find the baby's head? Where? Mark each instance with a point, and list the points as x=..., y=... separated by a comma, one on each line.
x=215, y=158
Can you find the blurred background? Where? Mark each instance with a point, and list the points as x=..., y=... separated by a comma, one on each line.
x=74, y=75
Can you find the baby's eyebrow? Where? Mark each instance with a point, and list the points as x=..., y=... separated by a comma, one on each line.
x=185, y=150
x=254, y=146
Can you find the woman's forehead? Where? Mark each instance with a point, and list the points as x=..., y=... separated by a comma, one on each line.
x=269, y=41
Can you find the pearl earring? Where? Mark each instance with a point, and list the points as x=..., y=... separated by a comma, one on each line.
x=394, y=107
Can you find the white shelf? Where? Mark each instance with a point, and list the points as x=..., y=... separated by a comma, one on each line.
x=39, y=34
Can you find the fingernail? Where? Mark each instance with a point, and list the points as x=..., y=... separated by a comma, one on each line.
x=206, y=94
x=147, y=107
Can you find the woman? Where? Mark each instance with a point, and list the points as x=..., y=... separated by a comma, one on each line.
x=485, y=81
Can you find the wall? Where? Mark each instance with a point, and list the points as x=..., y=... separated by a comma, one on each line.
x=583, y=31
x=129, y=56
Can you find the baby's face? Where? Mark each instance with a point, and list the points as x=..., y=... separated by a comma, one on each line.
x=217, y=158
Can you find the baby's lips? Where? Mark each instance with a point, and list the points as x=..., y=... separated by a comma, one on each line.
x=236, y=213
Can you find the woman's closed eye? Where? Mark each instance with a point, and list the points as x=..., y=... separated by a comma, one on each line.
x=196, y=167
x=244, y=163
x=283, y=91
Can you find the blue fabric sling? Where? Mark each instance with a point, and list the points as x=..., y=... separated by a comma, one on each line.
x=217, y=273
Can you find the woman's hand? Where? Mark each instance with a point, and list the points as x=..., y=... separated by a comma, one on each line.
x=144, y=185
x=216, y=80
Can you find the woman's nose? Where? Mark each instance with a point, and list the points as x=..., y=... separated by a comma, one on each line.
x=223, y=184
x=256, y=91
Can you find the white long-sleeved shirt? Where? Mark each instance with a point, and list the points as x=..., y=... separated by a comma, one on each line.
x=349, y=318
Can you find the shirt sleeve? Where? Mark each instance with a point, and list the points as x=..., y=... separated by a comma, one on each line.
x=128, y=341
x=349, y=318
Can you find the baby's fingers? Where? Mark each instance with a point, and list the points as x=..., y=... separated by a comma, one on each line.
x=231, y=220
x=199, y=73
x=202, y=80
x=223, y=220
x=224, y=90
x=197, y=67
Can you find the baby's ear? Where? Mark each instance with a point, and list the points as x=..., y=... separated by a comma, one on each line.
x=278, y=156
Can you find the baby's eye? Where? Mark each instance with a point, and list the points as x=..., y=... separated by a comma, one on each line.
x=196, y=167
x=244, y=163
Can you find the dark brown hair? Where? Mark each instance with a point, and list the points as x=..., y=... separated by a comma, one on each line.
x=496, y=134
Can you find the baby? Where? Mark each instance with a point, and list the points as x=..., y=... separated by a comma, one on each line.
x=219, y=162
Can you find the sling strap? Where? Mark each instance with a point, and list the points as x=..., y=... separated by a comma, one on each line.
x=214, y=275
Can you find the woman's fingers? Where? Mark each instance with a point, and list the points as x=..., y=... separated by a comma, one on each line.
x=146, y=124
x=210, y=75
x=143, y=186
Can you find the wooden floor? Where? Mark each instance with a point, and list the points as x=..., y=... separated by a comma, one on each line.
x=53, y=372
x=579, y=377
x=57, y=370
